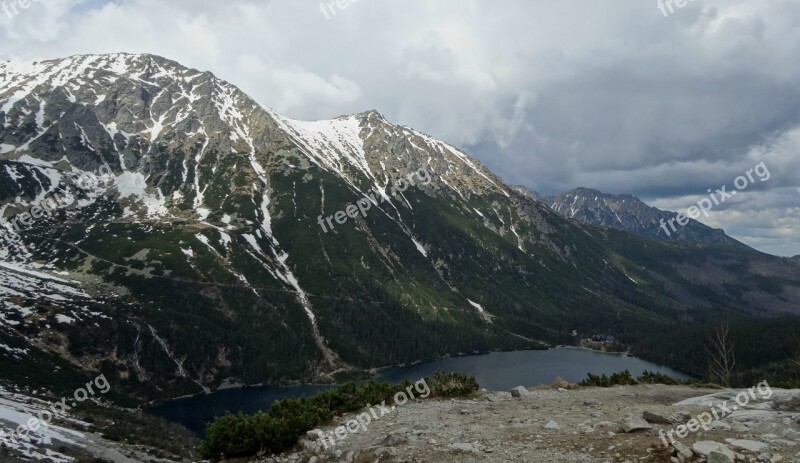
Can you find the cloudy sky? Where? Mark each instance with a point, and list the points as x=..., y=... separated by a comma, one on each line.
x=612, y=95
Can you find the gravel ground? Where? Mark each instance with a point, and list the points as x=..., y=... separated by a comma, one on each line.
x=565, y=426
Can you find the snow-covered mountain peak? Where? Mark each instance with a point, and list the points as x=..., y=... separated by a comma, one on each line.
x=134, y=112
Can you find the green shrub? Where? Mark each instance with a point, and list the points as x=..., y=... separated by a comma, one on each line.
x=626, y=379
x=649, y=377
x=452, y=384
x=617, y=379
x=240, y=435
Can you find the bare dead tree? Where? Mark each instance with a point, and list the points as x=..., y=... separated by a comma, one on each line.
x=722, y=360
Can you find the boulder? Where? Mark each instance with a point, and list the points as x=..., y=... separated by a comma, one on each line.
x=394, y=439
x=749, y=445
x=791, y=434
x=520, y=393
x=683, y=452
x=738, y=427
x=607, y=426
x=633, y=423
x=719, y=425
x=463, y=447
x=315, y=434
x=704, y=448
x=655, y=418
x=681, y=417
x=552, y=425
x=719, y=457
x=313, y=446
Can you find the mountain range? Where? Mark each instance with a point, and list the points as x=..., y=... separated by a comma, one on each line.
x=628, y=213
x=162, y=227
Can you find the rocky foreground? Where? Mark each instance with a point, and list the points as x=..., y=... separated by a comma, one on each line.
x=564, y=425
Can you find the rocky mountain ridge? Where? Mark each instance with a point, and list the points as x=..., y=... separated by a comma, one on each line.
x=630, y=214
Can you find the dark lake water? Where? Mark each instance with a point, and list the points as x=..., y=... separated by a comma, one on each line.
x=496, y=371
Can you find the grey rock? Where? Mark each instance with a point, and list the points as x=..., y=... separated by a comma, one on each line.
x=463, y=447
x=719, y=425
x=738, y=427
x=655, y=418
x=607, y=426
x=748, y=445
x=684, y=453
x=376, y=454
x=791, y=434
x=704, y=448
x=309, y=445
x=552, y=425
x=520, y=392
x=719, y=457
x=681, y=417
x=394, y=439
x=315, y=434
x=633, y=423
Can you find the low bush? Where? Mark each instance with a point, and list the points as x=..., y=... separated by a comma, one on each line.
x=278, y=430
x=452, y=384
x=625, y=378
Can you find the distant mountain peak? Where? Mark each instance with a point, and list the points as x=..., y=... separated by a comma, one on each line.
x=372, y=114
x=629, y=213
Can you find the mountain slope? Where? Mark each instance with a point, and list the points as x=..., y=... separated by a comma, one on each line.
x=187, y=246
